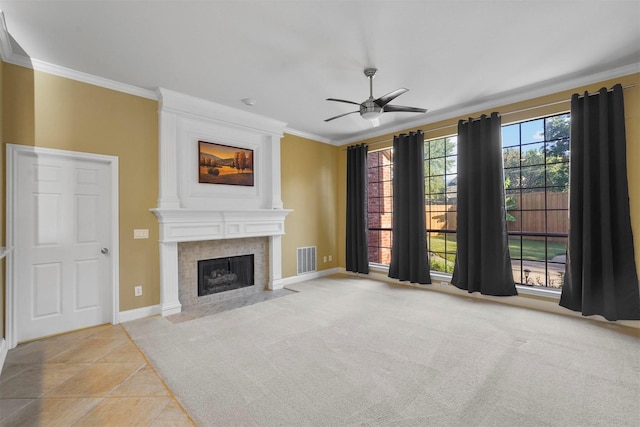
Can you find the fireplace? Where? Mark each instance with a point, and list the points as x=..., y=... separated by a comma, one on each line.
x=199, y=221
x=190, y=266
x=224, y=274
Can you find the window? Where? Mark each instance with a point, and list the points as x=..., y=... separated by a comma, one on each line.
x=380, y=173
x=440, y=165
x=440, y=195
x=536, y=170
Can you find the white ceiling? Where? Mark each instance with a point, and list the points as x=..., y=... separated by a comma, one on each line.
x=290, y=56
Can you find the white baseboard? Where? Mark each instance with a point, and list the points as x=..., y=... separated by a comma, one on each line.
x=4, y=348
x=276, y=284
x=138, y=313
x=279, y=284
x=524, y=300
x=170, y=309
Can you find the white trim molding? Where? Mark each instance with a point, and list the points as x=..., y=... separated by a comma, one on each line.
x=189, y=225
x=4, y=251
x=91, y=79
x=311, y=136
x=138, y=313
x=304, y=277
x=3, y=353
x=441, y=283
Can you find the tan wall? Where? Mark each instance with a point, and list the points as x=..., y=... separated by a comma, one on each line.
x=44, y=110
x=309, y=188
x=449, y=127
x=632, y=121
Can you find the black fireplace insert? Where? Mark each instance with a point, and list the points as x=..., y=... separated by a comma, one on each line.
x=224, y=274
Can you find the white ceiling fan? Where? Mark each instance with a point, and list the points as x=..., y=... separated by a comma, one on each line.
x=372, y=108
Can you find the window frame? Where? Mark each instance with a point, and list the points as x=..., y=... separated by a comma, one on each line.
x=440, y=276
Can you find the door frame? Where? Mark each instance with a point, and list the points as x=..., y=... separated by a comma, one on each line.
x=14, y=152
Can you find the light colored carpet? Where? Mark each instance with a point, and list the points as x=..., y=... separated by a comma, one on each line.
x=356, y=352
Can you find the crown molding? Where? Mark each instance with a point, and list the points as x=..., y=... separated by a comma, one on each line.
x=180, y=103
x=311, y=136
x=5, y=39
x=547, y=87
x=92, y=79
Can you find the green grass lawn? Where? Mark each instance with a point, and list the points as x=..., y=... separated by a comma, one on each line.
x=531, y=249
x=534, y=249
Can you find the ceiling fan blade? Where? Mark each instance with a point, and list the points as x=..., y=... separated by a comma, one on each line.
x=385, y=99
x=343, y=100
x=341, y=115
x=401, y=109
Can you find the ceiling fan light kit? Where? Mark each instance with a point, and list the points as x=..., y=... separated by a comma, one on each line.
x=369, y=110
x=372, y=108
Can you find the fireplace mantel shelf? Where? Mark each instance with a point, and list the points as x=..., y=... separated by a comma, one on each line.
x=188, y=225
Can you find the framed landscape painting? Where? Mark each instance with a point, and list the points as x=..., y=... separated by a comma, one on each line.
x=223, y=164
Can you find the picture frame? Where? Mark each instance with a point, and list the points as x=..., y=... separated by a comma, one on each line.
x=225, y=164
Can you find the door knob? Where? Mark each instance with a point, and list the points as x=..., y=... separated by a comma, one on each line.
x=105, y=251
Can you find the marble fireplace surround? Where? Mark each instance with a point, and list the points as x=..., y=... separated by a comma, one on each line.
x=189, y=253
x=192, y=212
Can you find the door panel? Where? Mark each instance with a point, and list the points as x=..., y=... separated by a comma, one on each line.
x=87, y=284
x=46, y=287
x=47, y=220
x=86, y=227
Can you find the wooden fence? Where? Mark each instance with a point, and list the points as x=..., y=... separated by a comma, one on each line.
x=528, y=214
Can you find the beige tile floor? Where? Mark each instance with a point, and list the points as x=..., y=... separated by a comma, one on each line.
x=91, y=377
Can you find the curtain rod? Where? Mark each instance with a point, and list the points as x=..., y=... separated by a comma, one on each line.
x=609, y=90
x=521, y=110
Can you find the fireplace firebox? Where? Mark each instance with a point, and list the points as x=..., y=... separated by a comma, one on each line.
x=224, y=274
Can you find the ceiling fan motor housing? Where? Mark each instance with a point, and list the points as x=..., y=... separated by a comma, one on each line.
x=370, y=110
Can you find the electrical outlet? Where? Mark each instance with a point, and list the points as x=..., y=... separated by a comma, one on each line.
x=137, y=291
x=330, y=257
x=324, y=259
x=444, y=284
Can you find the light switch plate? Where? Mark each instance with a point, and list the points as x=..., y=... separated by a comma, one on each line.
x=141, y=233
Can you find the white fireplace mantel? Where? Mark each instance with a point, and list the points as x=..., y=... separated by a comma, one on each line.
x=188, y=225
x=190, y=211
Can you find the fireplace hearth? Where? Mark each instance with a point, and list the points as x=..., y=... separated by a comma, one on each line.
x=225, y=274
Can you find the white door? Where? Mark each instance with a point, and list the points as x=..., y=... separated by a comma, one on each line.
x=62, y=233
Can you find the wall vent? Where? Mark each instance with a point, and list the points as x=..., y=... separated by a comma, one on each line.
x=306, y=259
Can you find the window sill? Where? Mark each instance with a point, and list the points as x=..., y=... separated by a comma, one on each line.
x=539, y=291
x=523, y=290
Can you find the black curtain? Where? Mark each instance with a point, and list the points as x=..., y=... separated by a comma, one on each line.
x=409, y=255
x=482, y=262
x=601, y=276
x=357, y=201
